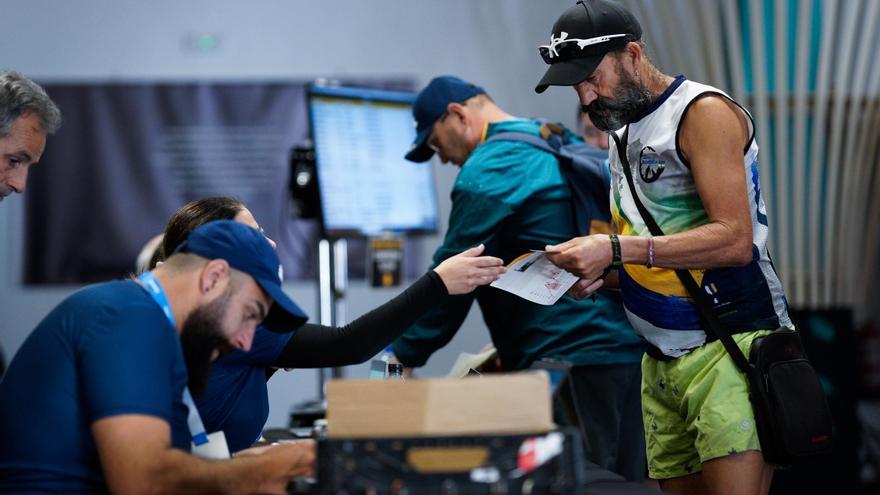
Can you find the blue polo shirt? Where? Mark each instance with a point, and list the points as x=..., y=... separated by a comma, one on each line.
x=106, y=350
x=236, y=400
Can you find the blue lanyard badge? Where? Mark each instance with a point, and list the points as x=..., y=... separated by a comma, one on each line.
x=154, y=289
x=193, y=420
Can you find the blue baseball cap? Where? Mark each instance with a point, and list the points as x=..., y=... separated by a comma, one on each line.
x=431, y=104
x=247, y=250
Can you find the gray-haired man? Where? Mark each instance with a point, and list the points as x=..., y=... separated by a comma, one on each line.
x=27, y=116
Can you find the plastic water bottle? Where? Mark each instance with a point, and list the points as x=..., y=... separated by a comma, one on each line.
x=386, y=354
x=379, y=365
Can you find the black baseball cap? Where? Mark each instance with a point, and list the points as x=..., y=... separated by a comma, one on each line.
x=247, y=250
x=581, y=37
x=431, y=104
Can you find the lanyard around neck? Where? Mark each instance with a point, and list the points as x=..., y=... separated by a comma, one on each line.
x=154, y=289
x=196, y=428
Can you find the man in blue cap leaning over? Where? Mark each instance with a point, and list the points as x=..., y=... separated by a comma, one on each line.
x=512, y=197
x=98, y=397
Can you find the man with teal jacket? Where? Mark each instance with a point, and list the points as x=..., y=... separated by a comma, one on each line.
x=512, y=197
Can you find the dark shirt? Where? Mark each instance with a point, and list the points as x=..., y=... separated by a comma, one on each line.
x=106, y=350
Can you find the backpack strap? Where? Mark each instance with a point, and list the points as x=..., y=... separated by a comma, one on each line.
x=523, y=137
x=546, y=143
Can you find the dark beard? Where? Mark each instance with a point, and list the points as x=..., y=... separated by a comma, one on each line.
x=202, y=334
x=630, y=101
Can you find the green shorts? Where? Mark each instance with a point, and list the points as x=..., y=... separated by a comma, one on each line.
x=696, y=408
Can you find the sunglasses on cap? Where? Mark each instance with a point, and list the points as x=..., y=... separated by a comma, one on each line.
x=564, y=48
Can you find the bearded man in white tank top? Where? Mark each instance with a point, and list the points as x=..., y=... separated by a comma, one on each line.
x=693, y=159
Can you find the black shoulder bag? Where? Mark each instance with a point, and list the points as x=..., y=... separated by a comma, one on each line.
x=791, y=414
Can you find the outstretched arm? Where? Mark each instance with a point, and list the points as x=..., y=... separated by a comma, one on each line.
x=317, y=346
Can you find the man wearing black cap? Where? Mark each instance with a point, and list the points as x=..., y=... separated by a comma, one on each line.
x=690, y=152
x=98, y=397
x=512, y=197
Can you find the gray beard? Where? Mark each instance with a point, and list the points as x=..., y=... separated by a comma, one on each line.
x=630, y=101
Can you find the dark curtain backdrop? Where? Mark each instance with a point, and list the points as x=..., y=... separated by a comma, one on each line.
x=129, y=155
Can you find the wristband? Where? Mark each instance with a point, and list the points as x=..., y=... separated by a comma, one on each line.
x=615, y=251
x=650, y=262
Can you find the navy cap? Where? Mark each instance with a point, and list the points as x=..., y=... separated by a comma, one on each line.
x=247, y=250
x=431, y=104
x=581, y=37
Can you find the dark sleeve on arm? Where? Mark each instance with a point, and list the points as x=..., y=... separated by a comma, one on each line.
x=317, y=346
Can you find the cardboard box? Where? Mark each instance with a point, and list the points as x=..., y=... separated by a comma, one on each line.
x=488, y=405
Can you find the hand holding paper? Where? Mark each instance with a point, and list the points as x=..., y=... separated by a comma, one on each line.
x=533, y=277
x=587, y=257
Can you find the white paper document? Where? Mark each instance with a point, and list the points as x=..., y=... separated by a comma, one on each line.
x=534, y=278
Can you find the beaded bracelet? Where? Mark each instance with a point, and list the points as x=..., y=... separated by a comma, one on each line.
x=650, y=262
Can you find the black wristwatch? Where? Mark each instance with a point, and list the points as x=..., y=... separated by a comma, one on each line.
x=615, y=251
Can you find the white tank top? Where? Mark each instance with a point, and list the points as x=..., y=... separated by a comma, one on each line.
x=657, y=304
